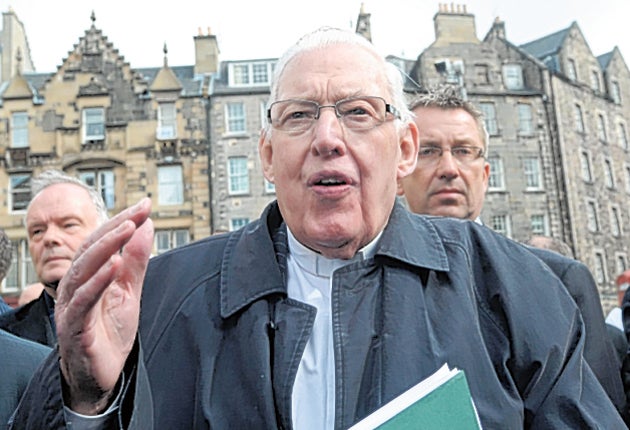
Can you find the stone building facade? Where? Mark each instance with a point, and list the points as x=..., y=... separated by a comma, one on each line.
x=558, y=119
x=128, y=132
x=187, y=136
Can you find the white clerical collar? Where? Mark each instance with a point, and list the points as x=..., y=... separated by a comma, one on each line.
x=318, y=265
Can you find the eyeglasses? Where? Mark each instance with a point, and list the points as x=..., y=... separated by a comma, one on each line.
x=462, y=154
x=355, y=113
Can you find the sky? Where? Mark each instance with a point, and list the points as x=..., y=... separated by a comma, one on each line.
x=252, y=29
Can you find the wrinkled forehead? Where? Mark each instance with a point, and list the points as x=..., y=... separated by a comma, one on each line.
x=333, y=72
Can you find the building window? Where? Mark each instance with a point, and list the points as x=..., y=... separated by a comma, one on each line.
x=601, y=128
x=21, y=273
x=579, y=119
x=235, y=116
x=615, y=221
x=615, y=92
x=571, y=70
x=482, y=74
x=170, y=185
x=600, y=268
x=236, y=223
x=623, y=136
x=238, y=175
x=595, y=81
x=500, y=224
x=250, y=74
x=93, y=124
x=19, y=130
x=166, y=240
x=609, y=175
x=103, y=182
x=513, y=76
x=531, y=167
x=167, y=121
x=591, y=216
x=496, y=179
x=260, y=73
x=489, y=118
x=270, y=187
x=20, y=192
x=539, y=225
x=585, y=166
x=525, y=119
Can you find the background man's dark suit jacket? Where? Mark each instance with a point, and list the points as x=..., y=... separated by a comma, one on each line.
x=33, y=321
x=19, y=358
x=598, y=349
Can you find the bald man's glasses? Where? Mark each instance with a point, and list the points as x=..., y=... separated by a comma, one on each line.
x=355, y=113
x=464, y=155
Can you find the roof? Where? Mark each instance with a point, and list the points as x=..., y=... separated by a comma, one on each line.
x=546, y=46
x=604, y=59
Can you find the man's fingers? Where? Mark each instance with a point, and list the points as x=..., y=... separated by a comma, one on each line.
x=137, y=214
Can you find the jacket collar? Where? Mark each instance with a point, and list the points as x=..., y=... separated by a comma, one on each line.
x=254, y=259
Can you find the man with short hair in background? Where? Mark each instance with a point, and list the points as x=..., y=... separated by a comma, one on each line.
x=451, y=179
x=62, y=212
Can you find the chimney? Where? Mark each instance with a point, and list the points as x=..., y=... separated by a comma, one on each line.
x=206, y=53
x=453, y=24
x=498, y=28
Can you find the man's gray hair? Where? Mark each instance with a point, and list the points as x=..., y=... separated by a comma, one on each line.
x=447, y=96
x=52, y=177
x=552, y=244
x=329, y=36
x=6, y=253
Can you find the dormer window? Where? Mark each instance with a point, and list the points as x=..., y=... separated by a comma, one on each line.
x=19, y=130
x=167, y=121
x=513, y=76
x=93, y=124
x=256, y=73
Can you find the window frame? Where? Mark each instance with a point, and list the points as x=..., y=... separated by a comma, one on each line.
x=533, y=174
x=513, y=76
x=238, y=180
x=235, y=122
x=170, y=192
x=167, y=121
x=496, y=171
x=19, y=129
x=93, y=117
x=489, y=112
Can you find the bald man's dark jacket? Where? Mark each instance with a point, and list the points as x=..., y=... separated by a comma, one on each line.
x=221, y=342
x=599, y=351
x=32, y=321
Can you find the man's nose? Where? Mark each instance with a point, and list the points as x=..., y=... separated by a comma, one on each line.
x=52, y=235
x=447, y=165
x=329, y=136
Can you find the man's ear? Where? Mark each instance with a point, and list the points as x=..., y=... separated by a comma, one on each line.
x=409, y=145
x=265, y=152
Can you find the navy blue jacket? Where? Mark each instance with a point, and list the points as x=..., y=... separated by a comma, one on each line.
x=222, y=342
x=19, y=358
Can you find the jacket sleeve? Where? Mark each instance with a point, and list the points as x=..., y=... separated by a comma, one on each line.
x=598, y=348
x=42, y=407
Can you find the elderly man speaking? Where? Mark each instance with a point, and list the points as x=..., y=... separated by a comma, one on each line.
x=334, y=302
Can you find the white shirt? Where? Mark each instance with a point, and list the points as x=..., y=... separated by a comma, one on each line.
x=309, y=280
x=614, y=318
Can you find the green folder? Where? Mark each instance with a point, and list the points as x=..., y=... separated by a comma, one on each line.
x=440, y=402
